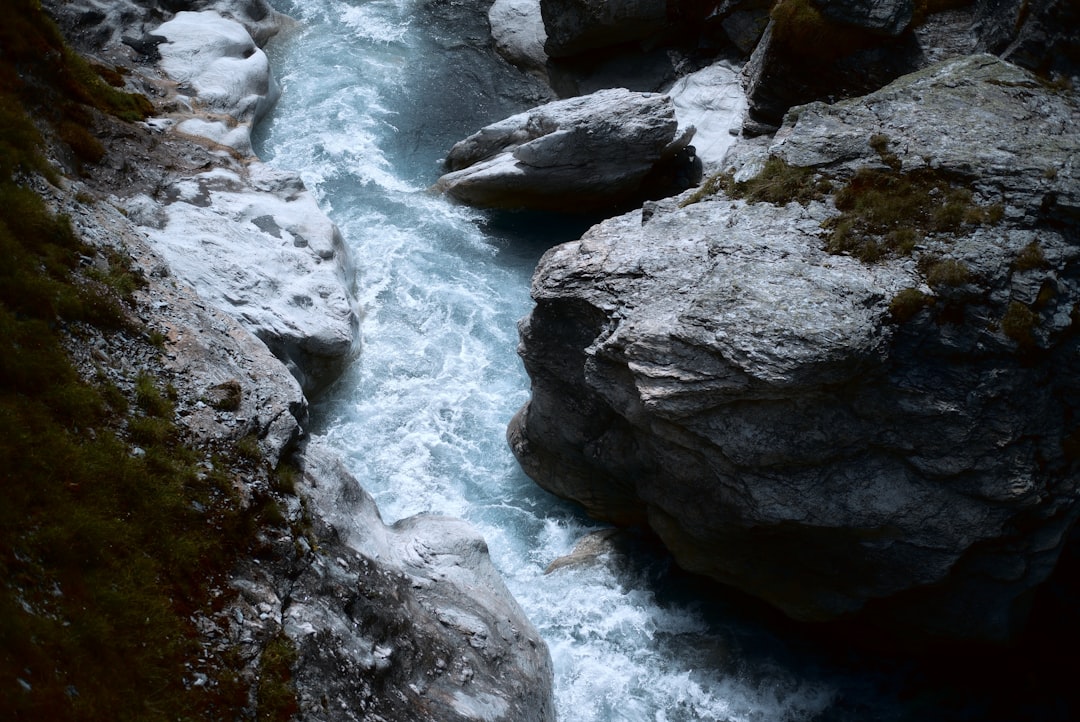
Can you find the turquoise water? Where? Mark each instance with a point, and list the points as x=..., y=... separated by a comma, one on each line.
x=374, y=93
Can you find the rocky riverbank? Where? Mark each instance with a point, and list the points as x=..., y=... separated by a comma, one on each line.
x=249, y=307
x=838, y=375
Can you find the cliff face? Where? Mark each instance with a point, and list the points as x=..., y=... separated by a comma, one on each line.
x=844, y=384
x=248, y=296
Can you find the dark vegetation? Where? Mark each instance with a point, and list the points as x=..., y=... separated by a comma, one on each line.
x=777, y=183
x=114, y=529
x=886, y=212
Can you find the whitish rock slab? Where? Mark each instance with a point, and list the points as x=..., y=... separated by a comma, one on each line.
x=579, y=154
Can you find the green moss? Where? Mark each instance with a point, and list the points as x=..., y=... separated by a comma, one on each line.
x=806, y=35
x=105, y=554
x=777, y=183
x=276, y=700
x=1030, y=258
x=880, y=144
x=41, y=74
x=284, y=479
x=1019, y=324
x=150, y=399
x=247, y=449
x=947, y=273
x=887, y=213
x=907, y=304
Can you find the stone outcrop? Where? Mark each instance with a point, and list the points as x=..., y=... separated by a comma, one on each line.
x=765, y=406
x=572, y=155
x=250, y=239
x=407, y=621
x=830, y=49
x=221, y=72
x=415, y=609
x=1040, y=35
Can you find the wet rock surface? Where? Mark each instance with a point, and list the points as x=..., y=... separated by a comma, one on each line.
x=710, y=370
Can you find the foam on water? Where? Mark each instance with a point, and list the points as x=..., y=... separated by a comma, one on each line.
x=421, y=416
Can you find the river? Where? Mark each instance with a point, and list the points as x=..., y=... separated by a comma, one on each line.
x=374, y=93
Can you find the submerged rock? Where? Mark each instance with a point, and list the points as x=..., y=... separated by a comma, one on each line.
x=771, y=411
x=573, y=155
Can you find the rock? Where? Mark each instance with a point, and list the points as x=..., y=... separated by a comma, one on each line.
x=410, y=621
x=711, y=101
x=572, y=155
x=403, y=622
x=230, y=75
x=576, y=26
x=518, y=30
x=744, y=22
x=799, y=60
x=890, y=17
x=716, y=374
x=1041, y=35
x=590, y=549
x=1017, y=143
x=253, y=242
x=208, y=356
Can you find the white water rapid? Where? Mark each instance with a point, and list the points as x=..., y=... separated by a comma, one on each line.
x=374, y=93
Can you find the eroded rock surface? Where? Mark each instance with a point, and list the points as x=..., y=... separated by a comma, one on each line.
x=710, y=370
x=572, y=155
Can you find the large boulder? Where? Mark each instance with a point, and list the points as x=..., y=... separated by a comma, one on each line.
x=519, y=34
x=250, y=239
x=805, y=54
x=222, y=72
x=580, y=154
x=894, y=441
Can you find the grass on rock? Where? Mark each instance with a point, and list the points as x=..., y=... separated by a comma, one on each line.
x=112, y=531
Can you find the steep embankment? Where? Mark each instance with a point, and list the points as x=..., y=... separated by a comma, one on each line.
x=840, y=378
x=173, y=530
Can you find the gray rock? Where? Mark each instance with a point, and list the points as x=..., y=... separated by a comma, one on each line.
x=890, y=17
x=253, y=241
x=1015, y=145
x=518, y=30
x=715, y=374
x=1041, y=35
x=409, y=621
x=571, y=155
x=576, y=26
x=788, y=69
x=403, y=622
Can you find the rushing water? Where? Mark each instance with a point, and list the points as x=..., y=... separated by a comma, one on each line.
x=373, y=94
